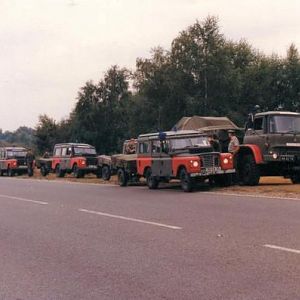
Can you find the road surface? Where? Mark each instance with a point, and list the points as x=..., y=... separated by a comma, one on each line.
x=61, y=240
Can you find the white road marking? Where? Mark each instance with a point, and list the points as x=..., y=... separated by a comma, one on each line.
x=282, y=248
x=23, y=199
x=250, y=195
x=129, y=219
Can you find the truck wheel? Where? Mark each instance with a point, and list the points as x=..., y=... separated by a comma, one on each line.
x=152, y=182
x=44, y=171
x=10, y=172
x=295, y=178
x=122, y=177
x=59, y=172
x=186, y=181
x=76, y=172
x=250, y=171
x=106, y=173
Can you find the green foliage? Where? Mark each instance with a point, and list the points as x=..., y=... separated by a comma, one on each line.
x=203, y=73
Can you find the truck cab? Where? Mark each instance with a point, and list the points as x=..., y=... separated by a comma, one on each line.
x=271, y=147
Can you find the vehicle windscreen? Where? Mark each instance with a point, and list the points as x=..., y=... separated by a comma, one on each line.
x=16, y=153
x=285, y=124
x=181, y=143
x=84, y=151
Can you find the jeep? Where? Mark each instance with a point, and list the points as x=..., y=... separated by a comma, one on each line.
x=185, y=155
x=13, y=161
x=79, y=159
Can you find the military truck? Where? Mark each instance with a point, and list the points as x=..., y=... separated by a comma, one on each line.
x=123, y=165
x=13, y=161
x=76, y=158
x=271, y=147
x=186, y=155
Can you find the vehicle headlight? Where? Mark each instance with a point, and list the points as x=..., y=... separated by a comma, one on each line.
x=83, y=162
x=195, y=163
x=225, y=161
x=275, y=155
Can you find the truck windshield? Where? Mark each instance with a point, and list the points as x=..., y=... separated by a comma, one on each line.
x=84, y=151
x=15, y=153
x=285, y=124
x=181, y=143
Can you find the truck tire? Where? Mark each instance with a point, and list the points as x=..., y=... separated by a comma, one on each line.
x=250, y=174
x=122, y=177
x=152, y=181
x=186, y=181
x=59, y=172
x=106, y=174
x=295, y=178
x=77, y=173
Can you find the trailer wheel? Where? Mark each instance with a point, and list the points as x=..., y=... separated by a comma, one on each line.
x=186, y=181
x=152, y=181
x=249, y=171
x=122, y=177
x=295, y=178
x=106, y=174
x=59, y=172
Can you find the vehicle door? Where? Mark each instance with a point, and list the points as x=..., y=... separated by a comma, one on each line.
x=65, y=159
x=56, y=157
x=161, y=160
x=258, y=134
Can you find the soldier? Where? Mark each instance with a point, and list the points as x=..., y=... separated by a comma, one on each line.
x=234, y=143
x=214, y=142
x=29, y=160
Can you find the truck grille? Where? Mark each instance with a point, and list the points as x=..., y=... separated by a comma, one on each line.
x=21, y=162
x=210, y=160
x=91, y=161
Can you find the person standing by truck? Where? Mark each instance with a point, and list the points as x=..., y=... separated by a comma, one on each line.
x=233, y=148
x=29, y=161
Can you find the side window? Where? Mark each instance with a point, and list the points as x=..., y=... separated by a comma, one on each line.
x=69, y=151
x=57, y=151
x=64, y=151
x=144, y=147
x=258, y=124
x=155, y=147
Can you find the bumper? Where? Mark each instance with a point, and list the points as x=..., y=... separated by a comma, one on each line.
x=282, y=158
x=212, y=171
x=91, y=168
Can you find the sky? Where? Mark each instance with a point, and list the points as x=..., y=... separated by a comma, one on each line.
x=50, y=48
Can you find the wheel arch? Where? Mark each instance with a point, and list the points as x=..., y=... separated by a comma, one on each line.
x=253, y=150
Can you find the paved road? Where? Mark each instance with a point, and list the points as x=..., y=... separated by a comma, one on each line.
x=63, y=240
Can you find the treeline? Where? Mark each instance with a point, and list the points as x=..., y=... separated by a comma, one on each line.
x=203, y=73
x=23, y=136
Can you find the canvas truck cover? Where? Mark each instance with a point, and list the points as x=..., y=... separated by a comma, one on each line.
x=205, y=123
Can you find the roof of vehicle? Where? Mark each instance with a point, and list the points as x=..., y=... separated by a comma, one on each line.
x=289, y=113
x=74, y=144
x=171, y=134
x=11, y=148
x=205, y=123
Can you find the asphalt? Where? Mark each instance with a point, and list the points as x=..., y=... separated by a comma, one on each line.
x=62, y=240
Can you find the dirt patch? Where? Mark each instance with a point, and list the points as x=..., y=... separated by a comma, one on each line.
x=268, y=186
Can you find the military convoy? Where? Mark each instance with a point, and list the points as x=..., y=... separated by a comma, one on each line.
x=270, y=147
